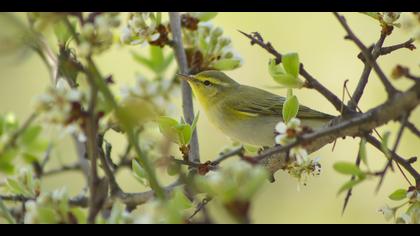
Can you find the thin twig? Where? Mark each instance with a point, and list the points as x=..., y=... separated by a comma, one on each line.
x=413, y=128
x=403, y=162
x=256, y=38
x=234, y=152
x=358, y=92
x=200, y=206
x=367, y=55
x=187, y=103
x=115, y=188
x=350, y=191
x=408, y=44
x=394, y=149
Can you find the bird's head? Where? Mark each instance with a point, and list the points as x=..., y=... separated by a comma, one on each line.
x=209, y=84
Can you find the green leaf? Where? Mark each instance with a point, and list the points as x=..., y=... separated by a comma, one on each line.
x=156, y=57
x=167, y=62
x=374, y=15
x=4, y=212
x=226, y=64
x=29, y=158
x=17, y=188
x=6, y=161
x=398, y=195
x=184, y=133
x=194, y=123
x=278, y=73
x=290, y=108
x=206, y=16
x=274, y=69
x=138, y=171
x=362, y=151
x=348, y=185
x=6, y=167
x=61, y=32
x=167, y=127
x=47, y=215
x=30, y=134
x=180, y=200
x=291, y=64
x=384, y=145
x=348, y=168
x=142, y=60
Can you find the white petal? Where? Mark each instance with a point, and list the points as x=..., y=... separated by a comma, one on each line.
x=281, y=127
x=281, y=139
x=293, y=123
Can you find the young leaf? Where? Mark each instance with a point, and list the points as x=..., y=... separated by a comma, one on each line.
x=30, y=134
x=184, y=133
x=156, y=57
x=138, y=172
x=348, y=185
x=384, y=145
x=290, y=108
x=142, y=60
x=227, y=64
x=180, y=200
x=374, y=15
x=362, y=151
x=206, y=16
x=398, y=195
x=17, y=188
x=291, y=64
x=274, y=69
x=278, y=73
x=61, y=32
x=194, y=123
x=4, y=212
x=166, y=62
x=348, y=168
x=167, y=127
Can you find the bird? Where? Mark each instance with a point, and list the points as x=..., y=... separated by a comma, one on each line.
x=244, y=113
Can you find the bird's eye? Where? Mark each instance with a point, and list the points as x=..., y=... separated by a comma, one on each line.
x=206, y=82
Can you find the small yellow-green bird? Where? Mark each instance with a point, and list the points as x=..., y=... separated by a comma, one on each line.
x=244, y=113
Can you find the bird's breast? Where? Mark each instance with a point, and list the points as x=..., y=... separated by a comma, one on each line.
x=244, y=127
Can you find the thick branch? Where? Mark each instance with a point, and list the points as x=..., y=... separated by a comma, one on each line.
x=187, y=103
x=357, y=125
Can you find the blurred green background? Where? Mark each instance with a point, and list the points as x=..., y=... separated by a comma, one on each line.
x=318, y=38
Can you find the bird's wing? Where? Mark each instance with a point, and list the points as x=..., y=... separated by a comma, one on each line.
x=259, y=102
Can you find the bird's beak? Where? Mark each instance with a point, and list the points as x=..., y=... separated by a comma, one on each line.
x=185, y=77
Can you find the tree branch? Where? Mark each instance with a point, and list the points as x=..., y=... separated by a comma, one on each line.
x=367, y=55
x=403, y=162
x=312, y=82
x=358, y=92
x=407, y=44
x=356, y=125
x=350, y=191
x=187, y=103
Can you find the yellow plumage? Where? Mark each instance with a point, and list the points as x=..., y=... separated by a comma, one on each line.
x=245, y=113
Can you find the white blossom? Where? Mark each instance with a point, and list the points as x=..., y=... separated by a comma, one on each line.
x=388, y=212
